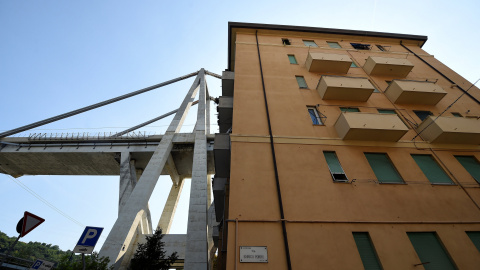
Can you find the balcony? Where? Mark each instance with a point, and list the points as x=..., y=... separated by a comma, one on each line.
x=225, y=111
x=370, y=127
x=414, y=92
x=451, y=130
x=228, y=82
x=327, y=62
x=392, y=67
x=345, y=88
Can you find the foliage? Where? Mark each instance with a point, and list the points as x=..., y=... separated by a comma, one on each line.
x=35, y=250
x=151, y=254
x=92, y=262
x=31, y=250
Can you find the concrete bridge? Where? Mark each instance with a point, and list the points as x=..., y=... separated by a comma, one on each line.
x=139, y=160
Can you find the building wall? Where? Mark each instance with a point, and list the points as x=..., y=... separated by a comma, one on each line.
x=321, y=214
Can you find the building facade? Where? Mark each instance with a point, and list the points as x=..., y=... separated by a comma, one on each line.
x=343, y=149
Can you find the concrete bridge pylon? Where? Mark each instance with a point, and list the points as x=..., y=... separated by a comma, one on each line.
x=136, y=185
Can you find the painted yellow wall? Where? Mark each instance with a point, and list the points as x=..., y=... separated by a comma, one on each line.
x=320, y=214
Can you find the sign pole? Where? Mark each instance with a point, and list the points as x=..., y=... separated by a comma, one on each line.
x=9, y=250
x=83, y=260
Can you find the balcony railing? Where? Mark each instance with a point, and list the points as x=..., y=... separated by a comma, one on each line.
x=414, y=92
x=370, y=127
x=345, y=88
x=327, y=62
x=460, y=130
x=383, y=66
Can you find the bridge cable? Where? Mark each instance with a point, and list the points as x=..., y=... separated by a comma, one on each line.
x=94, y=106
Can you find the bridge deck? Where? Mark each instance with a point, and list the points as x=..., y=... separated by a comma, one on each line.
x=91, y=156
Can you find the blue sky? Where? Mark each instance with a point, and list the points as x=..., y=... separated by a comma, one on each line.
x=57, y=56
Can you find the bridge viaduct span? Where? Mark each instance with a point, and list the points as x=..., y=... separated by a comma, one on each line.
x=139, y=160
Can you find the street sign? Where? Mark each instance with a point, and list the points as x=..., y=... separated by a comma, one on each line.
x=88, y=240
x=42, y=265
x=30, y=222
x=253, y=255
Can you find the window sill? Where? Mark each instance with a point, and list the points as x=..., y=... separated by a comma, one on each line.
x=392, y=183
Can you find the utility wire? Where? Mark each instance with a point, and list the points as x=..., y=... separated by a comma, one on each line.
x=47, y=203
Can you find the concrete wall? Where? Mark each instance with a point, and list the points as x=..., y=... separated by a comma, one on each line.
x=320, y=214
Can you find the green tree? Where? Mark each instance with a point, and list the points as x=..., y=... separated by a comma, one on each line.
x=92, y=262
x=151, y=256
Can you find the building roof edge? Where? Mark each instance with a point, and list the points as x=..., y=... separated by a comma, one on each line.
x=279, y=27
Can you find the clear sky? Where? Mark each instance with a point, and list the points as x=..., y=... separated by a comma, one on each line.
x=57, y=56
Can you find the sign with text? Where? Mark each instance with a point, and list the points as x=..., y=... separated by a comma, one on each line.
x=253, y=255
x=88, y=240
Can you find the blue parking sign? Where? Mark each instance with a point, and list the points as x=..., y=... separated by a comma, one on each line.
x=88, y=240
x=37, y=264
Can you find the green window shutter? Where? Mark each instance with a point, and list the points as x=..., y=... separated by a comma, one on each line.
x=366, y=251
x=431, y=169
x=470, y=164
x=334, y=166
x=345, y=109
x=333, y=163
x=429, y=249
x=292, y=59
x=353, y=64
x=310, y=43
x=383, y=168
x=301, y=82
x=475, y=237
x=386, y=111
x=334, y=45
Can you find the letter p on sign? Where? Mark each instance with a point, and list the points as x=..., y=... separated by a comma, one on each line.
x=88, y=240
x=91, y=233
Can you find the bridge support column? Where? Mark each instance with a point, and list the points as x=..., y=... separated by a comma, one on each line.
x=123, y=231
x=196, y=253
x=168, y=213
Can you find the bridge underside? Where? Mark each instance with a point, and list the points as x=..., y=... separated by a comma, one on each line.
x=24, y=156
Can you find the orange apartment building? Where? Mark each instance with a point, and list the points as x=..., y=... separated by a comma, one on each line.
x=343, y=149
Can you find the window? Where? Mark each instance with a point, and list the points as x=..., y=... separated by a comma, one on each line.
x=349, y=109
x=366, y=250
x=431, y=169
x=388, y=82
x=381, y=48
x=360, y=46
x=292, y=59
x=353, y=64
x=475, y=237
x=334, y=45
x=383, y=168
x=385, y=111
x=456, y=114
x=334, y=166
x=423, y=114
x=301, y=82
x=316, y=120
x=286, y=41
x=430, y=250
x=310, y=43
x=470, y=163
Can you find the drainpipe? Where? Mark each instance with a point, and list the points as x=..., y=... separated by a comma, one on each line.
x=272, y=147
